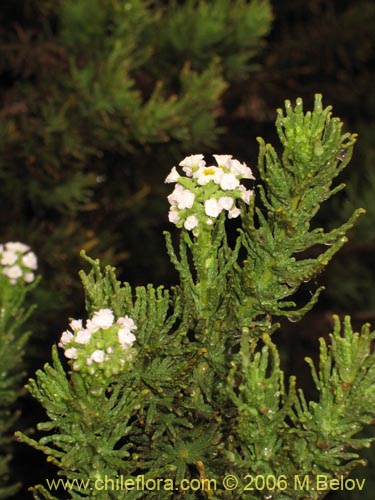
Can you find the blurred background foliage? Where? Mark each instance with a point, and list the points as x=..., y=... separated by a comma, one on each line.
x=100, y=98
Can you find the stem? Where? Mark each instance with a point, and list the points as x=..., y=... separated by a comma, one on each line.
x=204, y=261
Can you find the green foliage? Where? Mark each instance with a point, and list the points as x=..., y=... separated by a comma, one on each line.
x=293, y=190
x=198, y=31
x=346, y=400
x=317, y=438
x=205, y=396
x=13, y=338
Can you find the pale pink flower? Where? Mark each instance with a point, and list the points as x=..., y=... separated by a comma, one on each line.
x=30, y=260
x=98, y=356
x=225, y=202
x=187, y=200
x=212, y=207
x=16, y=246
x=13, y=272
x=127, y=322
x=241, y=170
x=65, y=338
x=206, y=174
x=223, y=160
x=181, y=197
x=8, y=258
x=83, y=337
x=173, y=216
x=235, y=212
x=246, y=194
x=125, y=337
x=29, y=277
x=102, y=319
x=76, y=324
x=173, y=176
x=191, y=222
x=229, y=182
x=191, y=163
x=71, y=353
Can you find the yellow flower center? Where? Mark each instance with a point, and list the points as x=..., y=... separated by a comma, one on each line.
x=209, y=171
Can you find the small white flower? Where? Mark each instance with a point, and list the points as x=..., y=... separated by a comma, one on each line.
x=98, y=356
x=172, y=198
x=212, y=207
x=66, y=337
x=191, y=222
x=91, y=326
x=226, y=175
x=83, y=337
x=76, y=324
x=225, y=202
x=229, y=182
x=238, y=169
x=181, y=197
x=107, y=350
x=191, y=163
x=16, y=246
x=248, y=174
x=235, y=212
x=206, y=174
x=127, y=322
x=13, y=272
x=173, y=216
x=9, y=258
x=29, y=277
x=241, y=170
x=125, y=337
x=30, y=260
x=71, y=353
x=246, y=194
x=186, y=200
x=102, y=319
x=173, y=176
x=223, y=160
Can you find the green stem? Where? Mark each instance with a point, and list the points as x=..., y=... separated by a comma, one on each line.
x=204, y=262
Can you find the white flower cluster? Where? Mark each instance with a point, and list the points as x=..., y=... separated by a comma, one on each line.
x=101, y=344
x=205, y=191
x=17, y=262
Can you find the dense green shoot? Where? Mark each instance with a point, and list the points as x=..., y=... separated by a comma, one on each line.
x=17, y=264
